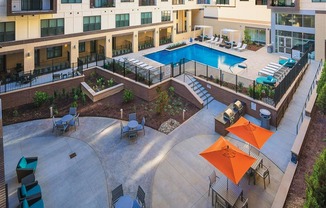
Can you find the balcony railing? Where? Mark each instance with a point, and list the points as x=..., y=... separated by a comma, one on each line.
x=147, y=2
x=178, y=2
x=31, y=7
x=203, y=2
x=102, y=3
x=282, y=3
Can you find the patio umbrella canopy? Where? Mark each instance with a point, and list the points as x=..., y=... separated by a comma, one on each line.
x=230, y=160
x=253, y=134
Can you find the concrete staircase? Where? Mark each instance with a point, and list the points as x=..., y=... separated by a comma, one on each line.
x=200, y=91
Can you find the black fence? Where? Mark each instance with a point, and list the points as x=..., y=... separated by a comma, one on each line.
x=36, y=77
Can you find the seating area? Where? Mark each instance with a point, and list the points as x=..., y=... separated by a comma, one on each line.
x=133, y=127
x=70, y=120
x=119, y=200
x=275, y=70
x=29, y=194
x=269, y=80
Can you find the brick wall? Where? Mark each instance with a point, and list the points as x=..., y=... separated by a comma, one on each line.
x=25, y=96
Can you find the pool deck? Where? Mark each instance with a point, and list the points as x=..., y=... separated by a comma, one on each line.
x=168, y=167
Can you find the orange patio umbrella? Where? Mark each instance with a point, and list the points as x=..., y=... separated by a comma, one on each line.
x=230, y=160
x=253, y=134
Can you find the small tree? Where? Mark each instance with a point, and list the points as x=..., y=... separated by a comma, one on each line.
x=162, y=100
x=40, y=98
x=128, y=95
x=316, y=184
x=321, y=99
x=247, y=37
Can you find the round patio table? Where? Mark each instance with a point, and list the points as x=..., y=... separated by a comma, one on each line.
x=132, y=124
x=126, y=202
x=67, y=118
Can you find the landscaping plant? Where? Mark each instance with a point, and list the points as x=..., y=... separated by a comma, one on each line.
x=40, y=98
x=321, y=100
x=128, y=95
x=322, y=80
x=162, y=100
x=316, y=184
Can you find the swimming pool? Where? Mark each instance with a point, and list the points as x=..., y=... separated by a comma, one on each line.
x=197, y=53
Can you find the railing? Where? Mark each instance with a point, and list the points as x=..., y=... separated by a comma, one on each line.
x=178, y=2
x=102, y=4
x=147, y=2
x=145, y=45
x=282, y=3
x=165, y=40
x=38, y=76
x=203, y=2
x=181, y=31
x=312, y=87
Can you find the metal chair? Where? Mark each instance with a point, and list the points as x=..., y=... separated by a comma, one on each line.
x=212, y=180
x=263, y=172
x=116, y=194
x=241, y=202
x=141, y=126
x=132, y=116
x=220, y=202
x=74, y=121
x=73, y=111
x=141, y=196
x=124, y=129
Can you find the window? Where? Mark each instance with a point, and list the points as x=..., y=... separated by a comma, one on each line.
x=92, y=23
x=71, y=1
x=260, y=2
x=121, y=20
x=81, y=47
x=54, y=52
x=146, y=18
x=52, y=27
x=31, y=5
x=296, y=20
x=166, y=16
x=318, y=0
x=7, y=31
x=127, y=0
x=222, y=2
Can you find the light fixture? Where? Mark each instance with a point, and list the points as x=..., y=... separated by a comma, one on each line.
x=109, y=39
x=74, y=46
x=28, y=54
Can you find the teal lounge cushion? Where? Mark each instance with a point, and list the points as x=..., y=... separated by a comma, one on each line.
x=32, y=165
x=25, y=204
x=23, y=191
x=287, y=62
x=22, y=163
x=38, y=204
x=35, y=190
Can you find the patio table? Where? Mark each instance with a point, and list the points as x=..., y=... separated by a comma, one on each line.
x=258, y=162
x=132, y=124
x=227, y=190
x=126, y=202
x=65, y=119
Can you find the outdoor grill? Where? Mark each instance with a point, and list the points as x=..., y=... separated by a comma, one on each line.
x=228, y=114
x=238, y=105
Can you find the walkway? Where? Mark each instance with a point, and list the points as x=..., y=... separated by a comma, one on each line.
x=104, y=160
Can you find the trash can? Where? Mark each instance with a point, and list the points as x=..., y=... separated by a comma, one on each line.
x=265, y=116
x=269, y=48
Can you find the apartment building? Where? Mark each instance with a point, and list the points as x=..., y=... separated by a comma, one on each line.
x=299, y=24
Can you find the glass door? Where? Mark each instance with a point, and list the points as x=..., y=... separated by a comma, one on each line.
x=284, y=44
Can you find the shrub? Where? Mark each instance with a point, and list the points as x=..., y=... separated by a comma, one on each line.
x=322, y=80
x=247, y=37
x=74, y=104
x=321, y=99
x=162, y=100
x=15, y=113
x=171, y=91
x=83, y=98
x=128, y=95
x=110, y=82
x=40, y=98
x=240, y=86
x=316, y=191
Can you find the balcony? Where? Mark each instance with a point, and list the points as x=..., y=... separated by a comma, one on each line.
x=31, y=7
x=102, y=3
x=178, y=2
x=147, y=3
x=280, y=5
x=203, y=2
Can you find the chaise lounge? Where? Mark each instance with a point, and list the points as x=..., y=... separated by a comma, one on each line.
x=34, y=202
x=29, y=191
x=287, y=62
x=25, y=167
x=269, y=80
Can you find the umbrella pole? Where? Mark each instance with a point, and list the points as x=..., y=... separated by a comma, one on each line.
x=227, y=184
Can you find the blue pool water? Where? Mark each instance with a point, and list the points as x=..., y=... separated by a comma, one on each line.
x=197, y=53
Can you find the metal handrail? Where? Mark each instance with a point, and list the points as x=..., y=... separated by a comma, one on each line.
x=313, y=84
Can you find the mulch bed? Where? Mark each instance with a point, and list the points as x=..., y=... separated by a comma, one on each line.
x=108, y=107
x=311, y=149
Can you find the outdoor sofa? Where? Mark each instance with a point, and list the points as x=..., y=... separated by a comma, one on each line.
x=25, y=167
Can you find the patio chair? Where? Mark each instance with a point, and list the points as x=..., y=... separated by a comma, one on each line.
x=60, y=126
x=269, y=80
x=73, y=111
x=212, y=180
x=116, y=194
x=219, y=42
x=74, y=121
x=124, y=129
x=32, y=202
x=241, y=202
x=141, y=197
x=220, y=202
x=29, y=191
x=211, y=40
x=263, y=172
x=26, y=166
x=243, y=47
x=238, y=46
x=141, y=126
x=132, y=116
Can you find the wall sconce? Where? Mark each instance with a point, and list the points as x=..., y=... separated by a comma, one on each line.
x=157, y=32
x=28, y=54
x=74, y=46
x=109, y=40
x=135, y=36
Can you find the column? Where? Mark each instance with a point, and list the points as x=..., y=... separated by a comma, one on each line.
x=135, y=41
x=189, y=20
x=108, y=46
x=74, y=52
x=157, y=37
x=29, y=58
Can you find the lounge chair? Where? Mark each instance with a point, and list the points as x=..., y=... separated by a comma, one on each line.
x=212, y=38
x=29, y=191
x=287, y=62
x=32, y=202
x=238, y=46
x=243, y=47
x=25, y=167
x=219, y=42
x=266, y=72
x=269, y=80
x=213, y=41
x=148, y=67
x=143, y=65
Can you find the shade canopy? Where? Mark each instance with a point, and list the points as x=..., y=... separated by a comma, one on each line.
x=233, y=35
x=230, y=160
x=207, y=30
x=253, y=134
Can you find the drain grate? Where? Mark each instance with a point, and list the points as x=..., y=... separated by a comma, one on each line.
x=72, y=155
